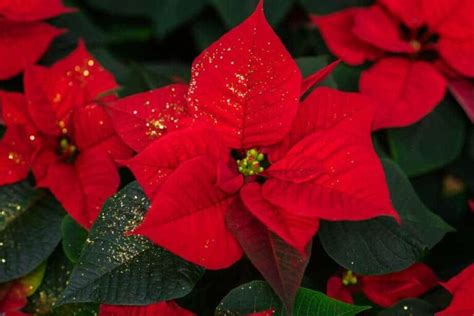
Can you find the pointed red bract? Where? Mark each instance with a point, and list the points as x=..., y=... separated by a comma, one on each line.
x=192, y=225
x=84, y=186
x=13, y=297
x=152, y=166
x=409, y=11
x=318, y=76
x=169, y=308
x=374, y=26
x=336, y=29
x=462, y=289
x=327, y=165
x=336, y=289
x=463, y=91
x=246, y=84
x=22, y=44
x=405, y=91
x=280, y=264
x=142, y=118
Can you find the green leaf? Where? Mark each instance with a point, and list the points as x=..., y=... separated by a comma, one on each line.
x=116, y=269
x=33, y=280
x=432, y=143
x=347, y=77
x=74, y=237
x=234, y=12
x=257, y=296
x=411, y=306
x=325, y=7
x=124, y=7
x=309, y=302
x=380, y=245
x=30, y=229
x=169, y=14
x=206, y=31
x=43, y=302
x=151, y=76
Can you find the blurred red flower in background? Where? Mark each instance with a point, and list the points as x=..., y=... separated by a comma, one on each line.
x=23, y=37
x=419, y=46
x=60, y=130
x=384, y=290
x=462, y=289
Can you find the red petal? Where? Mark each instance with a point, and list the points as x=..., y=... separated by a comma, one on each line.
x=265, y=313
x=336, y=289
x=449, y=17
x=17, y=148
x=405, y=90
x=408, y=11
x=169, y=308
x=14, y=109
x=135, y=115
x=336, y=29
x=471, y=205
x=152, y=166
x=318, y=76
x=33, y=10
x=321, y=110
x=93, y=128
x=332, y=162
x=386, y=290
x=280, y=264
x=192, y=226
x=462, y=290
x=84, y=186
x=374, y=26
x=247, y=84
x=22, y=44
x=463, y=91
x=14, y=299
x=458, y=52
x=296, y=230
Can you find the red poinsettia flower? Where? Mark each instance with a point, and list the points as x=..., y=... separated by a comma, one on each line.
x=384, y=290
x=257, y=170
x=13, y=297
x=168, y=308
x=462, y=288
x=471, y=205
x=23, y=38
x=61, y=131
x=417, y=44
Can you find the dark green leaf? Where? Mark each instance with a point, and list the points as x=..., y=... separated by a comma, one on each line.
x=412, y=306
x=431, y=143
x=257, y=296
x=347, y=77
x=234, y=12
x=169, y=14
x=325, y=7
x=380, y=245
x=206, y=31
x=125, y=7
x=30, y=229
x=74, y=237
x=309, y=302
x=115, y=269
x=309, y=65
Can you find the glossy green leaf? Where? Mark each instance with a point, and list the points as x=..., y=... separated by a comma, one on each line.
x=74, y=237
x=234, y=12
x=124, y=7
x=380, y=245
x=432, y=143
x=257, y=296
x=309, y=65
x=29, y=230
x=407, y=307
x=129, y=270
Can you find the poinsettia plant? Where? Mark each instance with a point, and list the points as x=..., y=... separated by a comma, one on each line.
x=243, y=173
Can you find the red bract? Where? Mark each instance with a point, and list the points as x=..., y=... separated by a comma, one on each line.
x=169, y=308
x=462, y=289
x=60, y=130
x=417, y=45
x=23, y=38
x=257, y=170
x=384, y=290
x=13, y=297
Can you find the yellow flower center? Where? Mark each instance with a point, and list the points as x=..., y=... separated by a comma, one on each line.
x=251, y=164
x=349, y=278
